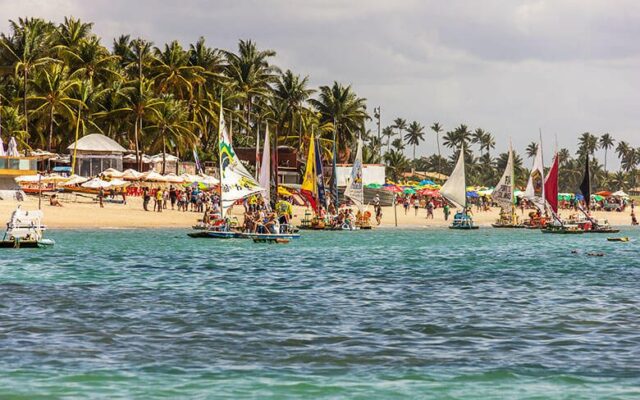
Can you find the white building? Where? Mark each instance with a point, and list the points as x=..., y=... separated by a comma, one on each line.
x=371, y=173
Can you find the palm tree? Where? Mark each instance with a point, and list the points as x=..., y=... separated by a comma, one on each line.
x=415, y=134
x=622, y=149
x=26, y=49
x=52, y=88
x=293, y=91
x=388, y=132
x=400, y=124
x=341, y=106
x=477, y=137
x=619, y=180
x=532, y=149
x=437, y=128
x=173, y=73
x=170, y=124
x=487, y=142
x=606, y=142
x=396, y=163
x=564, y=156
x=398, y=144
x=587, y=145
x=250, y=73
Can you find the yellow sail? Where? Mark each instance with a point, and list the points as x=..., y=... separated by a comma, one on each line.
x=309, y=182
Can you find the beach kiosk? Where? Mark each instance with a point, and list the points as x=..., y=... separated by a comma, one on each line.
x=95, y=153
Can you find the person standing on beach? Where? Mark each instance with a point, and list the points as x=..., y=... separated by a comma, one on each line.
x=430, y=207
x=173, y=196
x=159, y=196
x=405, y=204
x=416, y=205
x=145, y=198
x=446, y=211
x=101, y=197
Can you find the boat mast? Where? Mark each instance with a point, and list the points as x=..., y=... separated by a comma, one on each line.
x=220, y=123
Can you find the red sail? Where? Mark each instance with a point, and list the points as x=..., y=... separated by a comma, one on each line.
x=551, y=186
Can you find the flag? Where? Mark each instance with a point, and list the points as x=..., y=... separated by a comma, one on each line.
x=585, y=186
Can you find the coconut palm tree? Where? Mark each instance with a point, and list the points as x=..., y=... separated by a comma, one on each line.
x=400, y=124
x=587, y=145
x=606, y=142
x=339, y=105
x=437, y=128
x=487, y=142
x=51, y=97
x=388, y=132
x=170, y=125
x=415, y=135
x=396, y=163
x=563, y=156
x=173, y=72
x=25, y=50
x=532, y=149
x=293, y=91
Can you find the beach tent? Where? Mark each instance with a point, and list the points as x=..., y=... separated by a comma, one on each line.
x=173, y=178
x=96, y=153
x=96, y=183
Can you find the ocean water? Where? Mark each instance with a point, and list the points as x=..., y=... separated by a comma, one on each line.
x=386, y=314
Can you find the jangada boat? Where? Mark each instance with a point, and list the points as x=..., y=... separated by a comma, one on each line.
x=25, y=230
x=236, y=183
x=503, y=195
x=454, y=190
x=563, y=228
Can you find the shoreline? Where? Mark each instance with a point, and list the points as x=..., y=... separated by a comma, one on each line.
x=88, y=216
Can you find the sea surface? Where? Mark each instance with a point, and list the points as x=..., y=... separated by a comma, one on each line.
x=490, y=314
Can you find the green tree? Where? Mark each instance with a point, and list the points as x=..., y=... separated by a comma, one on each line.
x=396, y=163
x=415, y=135
x=532, y=149
x=606, y=142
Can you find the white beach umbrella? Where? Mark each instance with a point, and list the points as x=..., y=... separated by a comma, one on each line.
x=619, y=193
x=153, y=176
x=131, y=174
x=189, y=178
x=96, y=183
x=28, y=178
x=173, y=178
x=112, y=173
x=208, y=180
x=75, y=180
x=12, y=149
x=118, y=183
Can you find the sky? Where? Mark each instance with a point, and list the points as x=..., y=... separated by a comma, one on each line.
x=511, y=67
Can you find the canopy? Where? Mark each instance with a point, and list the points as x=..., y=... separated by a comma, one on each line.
x=173, y=178
x=118, y=182
x=97, y=143
x=40, y=178
x=75, y=180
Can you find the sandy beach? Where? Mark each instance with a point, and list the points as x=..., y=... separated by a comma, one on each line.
x=88, y=215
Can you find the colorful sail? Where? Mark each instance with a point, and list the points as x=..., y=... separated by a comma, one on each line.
x=355, y=189
x=551, y=186
x=309, y=187
x=585, y=186
x=455, y=188
x=235, y=181
x=265, y=169
x=503, y=192
x=321, y=191
x=535, y=186
x=334, y=177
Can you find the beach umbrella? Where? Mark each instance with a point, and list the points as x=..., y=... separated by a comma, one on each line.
x=429, y=192
x=173, y=178
x=472, y=195
x=96, y=183
x=604, y=193
x=190, y=178
x=75, y=180
x=208, y=180
x=579, y=197
x=409, y=191
x=131, y=174
x=425, y=182
x=12, y=148
x=619, y=193
x=112, y=173
x=118, y=183
x=393, y=188
x=284, y=192
x=373, y=186
x=28, y=178
x=153, y=176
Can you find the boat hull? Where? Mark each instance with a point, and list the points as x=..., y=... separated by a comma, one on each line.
x=26, y=244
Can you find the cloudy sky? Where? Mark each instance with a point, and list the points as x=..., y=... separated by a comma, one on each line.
x=509, y=66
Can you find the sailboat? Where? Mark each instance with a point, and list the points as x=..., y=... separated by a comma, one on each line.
x=313, y=188
x=236, y=183
x=454, y=190
x=25, y=230
x=534, y=192
x=551, y=197
x=503, y=195
x=355, y=189
x=590, y=224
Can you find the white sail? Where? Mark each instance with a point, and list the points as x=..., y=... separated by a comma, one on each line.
x=265, y=168
x=535, y=186
x=355, y=188
x=235, y=181
x=455, y=188
x=503, y=192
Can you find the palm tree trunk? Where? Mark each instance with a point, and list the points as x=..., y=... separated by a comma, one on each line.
x=135, y=138
x=605, y=159
x=164, y=154
x=24, y=101
x=439, y=156
x=414, y=152
x=50, y=129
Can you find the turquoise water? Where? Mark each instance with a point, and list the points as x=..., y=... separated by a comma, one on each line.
x=383, y=314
